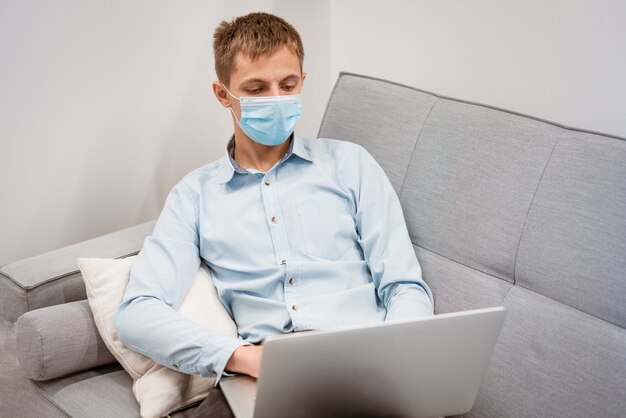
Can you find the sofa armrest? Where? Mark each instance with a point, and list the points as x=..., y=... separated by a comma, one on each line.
x=58, y=340
x=53, y=278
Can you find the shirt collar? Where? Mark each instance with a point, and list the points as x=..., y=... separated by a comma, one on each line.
x=297, y=146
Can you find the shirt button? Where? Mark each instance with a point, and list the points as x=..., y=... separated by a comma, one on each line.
x=292, y=280
x=267, y=182
x=294, y=307
x=274, y=219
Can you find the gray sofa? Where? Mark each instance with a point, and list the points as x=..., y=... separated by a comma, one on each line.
x=502, y=208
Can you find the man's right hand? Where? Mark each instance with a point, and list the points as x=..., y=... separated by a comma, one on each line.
x=246, y=359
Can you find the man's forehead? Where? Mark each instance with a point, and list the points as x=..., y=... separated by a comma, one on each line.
x=279, y=66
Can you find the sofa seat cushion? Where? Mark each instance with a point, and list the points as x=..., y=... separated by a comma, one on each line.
x=102, y=392
x=552, y=360
x=457, y=287
x=98, y=392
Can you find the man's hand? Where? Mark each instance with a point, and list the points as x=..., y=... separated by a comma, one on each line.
x=246, y=359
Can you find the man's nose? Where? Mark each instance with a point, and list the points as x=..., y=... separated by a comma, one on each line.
x=274, y=90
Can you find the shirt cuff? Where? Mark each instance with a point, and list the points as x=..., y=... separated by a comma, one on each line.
x=409, y=301
x=219, y=370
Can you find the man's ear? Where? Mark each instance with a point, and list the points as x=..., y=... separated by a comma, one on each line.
x=221, y=94
x=303, y=75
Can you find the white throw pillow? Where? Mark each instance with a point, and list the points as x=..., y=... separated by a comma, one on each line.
x=159, y=390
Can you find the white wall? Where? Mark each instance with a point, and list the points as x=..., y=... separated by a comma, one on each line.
x=562, y=60
x=104, y=105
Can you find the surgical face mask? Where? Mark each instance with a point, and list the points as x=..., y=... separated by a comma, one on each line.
x=268, y=120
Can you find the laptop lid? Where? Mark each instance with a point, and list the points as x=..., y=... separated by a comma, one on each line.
x=431, y=366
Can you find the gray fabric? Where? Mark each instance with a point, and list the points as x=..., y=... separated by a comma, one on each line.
x=57, y=398
x=17, y=300
x=553, y=361
x=19, y=397
x=58, y=340
x=385, y=118
x=470, y=183
x=13, y=301
x=104, y=392
x=53, y=278
x=573, y=248
x=34, y=271
x=490, y=197
x=457, y=287
x=69, y=288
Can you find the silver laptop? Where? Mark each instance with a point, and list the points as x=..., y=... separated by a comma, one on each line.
x=428, y=367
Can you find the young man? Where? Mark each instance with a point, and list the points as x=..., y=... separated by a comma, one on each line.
x=299, y=233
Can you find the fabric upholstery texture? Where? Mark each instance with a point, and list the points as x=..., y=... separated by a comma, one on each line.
x=34, y=271
x=386, y=119
x=471, y=181
x=508, y=209
x=19, y=397
x=13, y=301
x=573, y=248
x=102, y=392
x=450, y=282
x=553, y=361
x=53, y=278
x=58, y=340
x=158, y=389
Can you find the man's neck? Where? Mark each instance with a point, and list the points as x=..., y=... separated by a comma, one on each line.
x=250, y=154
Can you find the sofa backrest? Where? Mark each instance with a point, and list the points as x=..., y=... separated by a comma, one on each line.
x=504, y=208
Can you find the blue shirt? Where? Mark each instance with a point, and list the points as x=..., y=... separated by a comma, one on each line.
x=317, y=242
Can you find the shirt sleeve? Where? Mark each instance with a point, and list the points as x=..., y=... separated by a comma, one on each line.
x=385, y=240
x=147, y=320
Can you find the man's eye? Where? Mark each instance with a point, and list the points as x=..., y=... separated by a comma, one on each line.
x=288, y=88
x=254, y=91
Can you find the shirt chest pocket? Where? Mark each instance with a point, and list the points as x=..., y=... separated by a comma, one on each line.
x=327, y=227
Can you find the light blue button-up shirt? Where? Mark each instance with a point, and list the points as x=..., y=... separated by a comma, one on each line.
x=317, y=242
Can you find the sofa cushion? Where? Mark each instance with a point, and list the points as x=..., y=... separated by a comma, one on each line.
x=553, y=361
x=470, y=182
x=457, y=287
x=19, y=397
x=99, y=392
x=59, y=339
x=454, y=165
x=53, y=278
x=158, y=389
x=386, y=119
x=573, y=248
x=493, y=198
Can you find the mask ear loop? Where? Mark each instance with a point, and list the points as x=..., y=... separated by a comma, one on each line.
x=230, y=107
x=235, y=116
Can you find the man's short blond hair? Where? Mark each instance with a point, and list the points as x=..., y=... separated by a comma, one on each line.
x=252, y=35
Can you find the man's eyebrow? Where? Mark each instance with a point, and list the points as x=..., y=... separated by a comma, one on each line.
x=291, y=76
x=253, y=80
x=259, y=80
